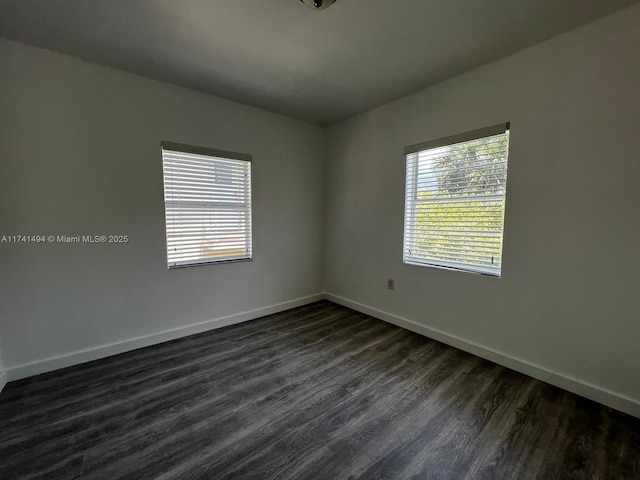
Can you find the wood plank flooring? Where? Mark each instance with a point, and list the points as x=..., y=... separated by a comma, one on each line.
x=317, y=392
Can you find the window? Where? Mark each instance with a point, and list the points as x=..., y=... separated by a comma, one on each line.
x=207, y=200
x=455, y=200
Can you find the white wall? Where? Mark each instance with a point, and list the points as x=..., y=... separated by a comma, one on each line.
x=80, y=154
x=3, y=375
x=567, y=308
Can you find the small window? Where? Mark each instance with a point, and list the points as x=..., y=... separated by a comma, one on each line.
x=207, y=200
x=455, y=201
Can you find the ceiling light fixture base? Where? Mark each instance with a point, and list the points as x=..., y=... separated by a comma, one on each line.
x=318, y=4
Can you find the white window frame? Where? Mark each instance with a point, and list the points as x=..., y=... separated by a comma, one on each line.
x=219, y=158
x=411, y=222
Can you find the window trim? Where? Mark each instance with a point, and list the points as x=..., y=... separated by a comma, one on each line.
x=459, y=138
x=469, y=136
x=211, y=152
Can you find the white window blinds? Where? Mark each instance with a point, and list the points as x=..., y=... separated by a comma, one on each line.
x=207, y=198
x=455, y=201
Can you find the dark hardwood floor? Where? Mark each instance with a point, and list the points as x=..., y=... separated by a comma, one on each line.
x=318, y=392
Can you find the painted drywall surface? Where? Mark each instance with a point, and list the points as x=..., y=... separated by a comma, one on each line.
x=80, y=147
x=3, y=375
x=568, y=299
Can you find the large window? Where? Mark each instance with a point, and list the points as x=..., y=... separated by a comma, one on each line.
x=455, y=200
x=207, y=199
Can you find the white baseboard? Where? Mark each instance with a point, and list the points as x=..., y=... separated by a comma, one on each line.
x=87, y=355
x=599, y=394
x=593, y=392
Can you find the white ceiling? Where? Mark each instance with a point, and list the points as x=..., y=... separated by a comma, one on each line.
x=281, y=56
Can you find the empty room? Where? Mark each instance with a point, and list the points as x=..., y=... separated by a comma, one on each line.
x=319, y=239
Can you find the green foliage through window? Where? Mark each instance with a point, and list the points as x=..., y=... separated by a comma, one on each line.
x=455, y=201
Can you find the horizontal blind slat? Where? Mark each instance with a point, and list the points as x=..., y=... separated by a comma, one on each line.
x=207, y=208
x=454, y=202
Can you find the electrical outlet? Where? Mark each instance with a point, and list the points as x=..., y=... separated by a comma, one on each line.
x=390, y=284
